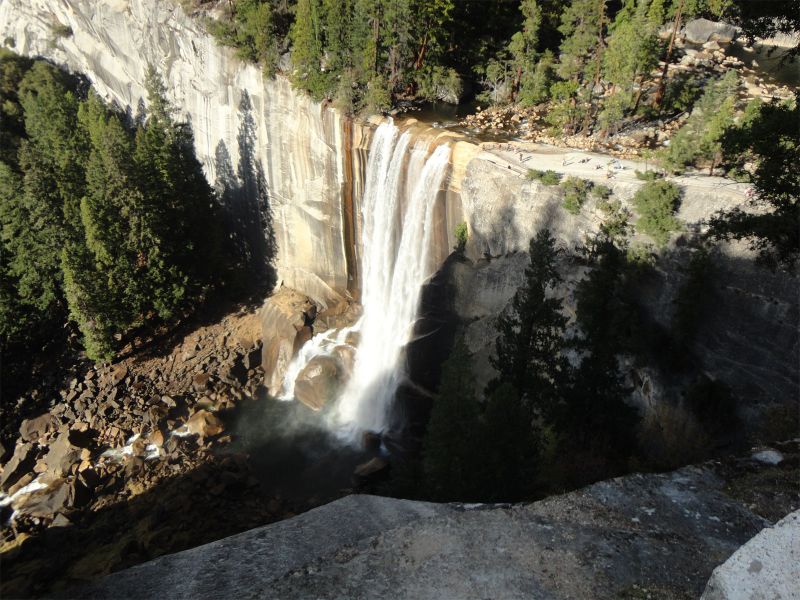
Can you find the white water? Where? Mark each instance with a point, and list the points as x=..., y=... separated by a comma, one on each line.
x=402, y=183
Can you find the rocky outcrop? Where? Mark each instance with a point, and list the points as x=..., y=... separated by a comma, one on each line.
x=700, y=31
x=768, y=566
x=748, y=337
x=636, y=536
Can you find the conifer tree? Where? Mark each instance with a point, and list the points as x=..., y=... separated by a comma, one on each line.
x=452, y=451
x=524, y=49
x=512, y=445
x=595, y=417
x=529, y=347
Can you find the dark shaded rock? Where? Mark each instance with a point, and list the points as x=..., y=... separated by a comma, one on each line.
x=371, y=468
x=83, y=438
x=32, y=429
x=253, y=358
x=21, y=462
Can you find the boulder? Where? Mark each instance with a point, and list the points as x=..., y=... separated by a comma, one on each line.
x=204, y=424
x=768, y=566
x=63, y=453
x=700, y=31
x=21, y=462
x=118, y=373
x=32, y=429
x=47, y=502
x=201, y=382
x=318, y=382
x=283, y=315
x=371, y=468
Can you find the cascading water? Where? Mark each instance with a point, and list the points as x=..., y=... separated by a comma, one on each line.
x=403, y=180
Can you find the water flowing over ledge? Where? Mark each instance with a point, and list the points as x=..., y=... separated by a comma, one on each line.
x=404, y=178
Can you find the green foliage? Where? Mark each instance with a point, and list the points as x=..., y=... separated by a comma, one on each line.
x=575, y=192
x=462, y=235
x=596, y=416
x=117, y=226
x=700, y=138
x=452, y=452
x=648, y=175
x=601, y=192
x=548, y=177
x=656, y=202
x=769, y=138
x=535, y=84
x=616, y=223
x=510, y=460
x=689, y=300
x=682, y=92
x=528, y=350
x=250, y=29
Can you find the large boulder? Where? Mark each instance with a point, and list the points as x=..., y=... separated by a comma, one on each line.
x=63, y=453
x=21, y=462
x=768, y=566
x=700, y=31
x=285, y=317
x=204, y=424
x=318, y=382
x=32, y=429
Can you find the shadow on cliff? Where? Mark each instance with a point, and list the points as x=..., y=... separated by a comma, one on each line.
x=244, y=196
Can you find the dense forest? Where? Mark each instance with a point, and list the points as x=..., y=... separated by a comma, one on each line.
x=596, y=62
x=107, y=220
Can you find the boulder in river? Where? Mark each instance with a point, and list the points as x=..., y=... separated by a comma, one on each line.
x=318, y=382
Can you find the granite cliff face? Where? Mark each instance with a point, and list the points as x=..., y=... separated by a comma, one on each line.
x=278, y=156
x=254, y=136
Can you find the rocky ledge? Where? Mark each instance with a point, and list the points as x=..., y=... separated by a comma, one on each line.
x=640, y=536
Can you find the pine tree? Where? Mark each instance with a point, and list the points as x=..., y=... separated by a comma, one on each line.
x=512, y=448
x=524, y=48
x=595, y=418
x=307, y=46
x=529, y=347
x=452, y=450
x=632, y=53
x=768, y=138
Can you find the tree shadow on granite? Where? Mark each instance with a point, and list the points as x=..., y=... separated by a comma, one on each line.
x=244, y=196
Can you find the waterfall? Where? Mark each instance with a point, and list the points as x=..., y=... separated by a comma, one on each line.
x=403, y=180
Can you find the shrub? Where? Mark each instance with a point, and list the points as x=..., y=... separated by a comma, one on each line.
x=601, y=192
x=62, y=31
x=548, y=177
x=462, y=235
x=648, y=175
x=670, y=436
x=656, y=203
x=575, y=191
x=616, y=224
